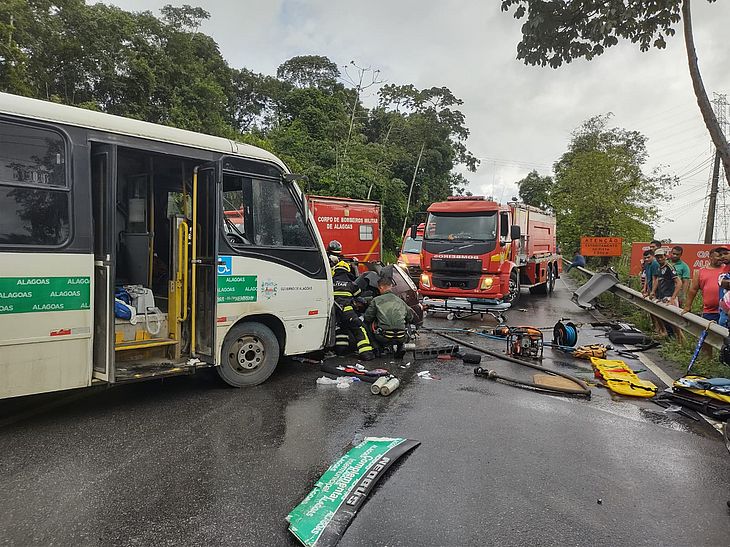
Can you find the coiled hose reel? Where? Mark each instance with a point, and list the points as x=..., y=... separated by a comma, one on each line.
x=565, y=334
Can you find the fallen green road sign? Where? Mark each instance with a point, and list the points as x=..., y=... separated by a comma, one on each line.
x=324, y=515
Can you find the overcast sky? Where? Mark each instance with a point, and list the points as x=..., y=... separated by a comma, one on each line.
x=520, y=117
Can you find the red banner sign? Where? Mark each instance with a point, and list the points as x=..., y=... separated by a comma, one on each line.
x=696, y=255
x=600, y=246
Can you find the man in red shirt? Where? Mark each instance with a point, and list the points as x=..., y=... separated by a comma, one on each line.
x=705, y=280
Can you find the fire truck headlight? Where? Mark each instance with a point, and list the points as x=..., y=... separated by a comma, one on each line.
x=487, y=283
x=425, y=280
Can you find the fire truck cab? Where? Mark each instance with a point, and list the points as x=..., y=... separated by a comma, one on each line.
x=478, y=249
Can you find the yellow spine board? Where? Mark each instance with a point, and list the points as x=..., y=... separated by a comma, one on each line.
x=620, y=379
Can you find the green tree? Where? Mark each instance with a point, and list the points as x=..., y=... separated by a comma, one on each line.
x=535, y=190
x=600, y=188
x=309, y=71
x=556, y=32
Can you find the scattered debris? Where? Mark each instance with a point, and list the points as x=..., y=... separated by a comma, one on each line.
x=342, y=382
x=435, y=351
x=426, y=375
x=471, y=358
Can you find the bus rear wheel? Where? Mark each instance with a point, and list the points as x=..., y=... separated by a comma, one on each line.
x=249, y=356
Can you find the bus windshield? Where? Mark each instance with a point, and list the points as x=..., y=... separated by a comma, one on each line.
x=480, y=226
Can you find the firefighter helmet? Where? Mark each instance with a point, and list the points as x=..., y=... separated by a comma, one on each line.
x=334, y=247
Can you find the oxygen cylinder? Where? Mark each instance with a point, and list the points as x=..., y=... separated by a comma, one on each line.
x=389, y=387
x=378, y=384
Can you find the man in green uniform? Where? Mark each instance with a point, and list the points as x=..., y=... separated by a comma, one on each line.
x=387, y=317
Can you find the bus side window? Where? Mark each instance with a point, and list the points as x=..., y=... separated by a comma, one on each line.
x=34, y=190
x=277, y=217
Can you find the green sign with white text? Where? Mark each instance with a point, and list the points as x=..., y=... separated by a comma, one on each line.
x=44, y=294
x=237, y=288
x=322, y=517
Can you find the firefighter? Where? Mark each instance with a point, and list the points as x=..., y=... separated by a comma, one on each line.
x=334, y=252
x=349, y=326
x=388, y=316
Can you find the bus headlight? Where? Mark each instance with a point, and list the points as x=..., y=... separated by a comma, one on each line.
x=487, y=283
x=425, y=280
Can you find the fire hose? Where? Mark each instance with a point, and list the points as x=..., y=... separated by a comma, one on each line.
x=581, y=391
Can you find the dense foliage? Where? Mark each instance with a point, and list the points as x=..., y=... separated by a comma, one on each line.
x=163, y=70
x=599, y=187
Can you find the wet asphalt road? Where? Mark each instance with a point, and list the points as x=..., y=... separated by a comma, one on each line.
x=189, y=462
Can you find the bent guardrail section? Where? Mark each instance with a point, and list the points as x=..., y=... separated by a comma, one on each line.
x=689, y=322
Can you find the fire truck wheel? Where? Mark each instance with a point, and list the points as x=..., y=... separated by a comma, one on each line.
x=514, y=288
x=551, y=278
x=548, y=286
x=249, y=356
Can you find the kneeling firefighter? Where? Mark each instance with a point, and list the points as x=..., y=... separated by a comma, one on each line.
x=349, y=326
x=388, y=316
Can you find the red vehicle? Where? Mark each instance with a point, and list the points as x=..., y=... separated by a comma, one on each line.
x=409, y=257
x=354, y=223
x=482, y=251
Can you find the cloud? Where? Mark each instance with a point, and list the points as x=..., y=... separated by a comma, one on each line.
x=520, y=117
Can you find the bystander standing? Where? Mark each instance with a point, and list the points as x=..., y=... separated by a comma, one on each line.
x=723, y=280
x=666, y=287
x=649, y=268
x=682, y=269
x=704, y=280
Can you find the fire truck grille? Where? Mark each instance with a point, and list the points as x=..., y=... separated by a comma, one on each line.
x=456, y=265
x=468, y=283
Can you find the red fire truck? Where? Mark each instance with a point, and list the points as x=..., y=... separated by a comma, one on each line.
x=354, y=223
x=482, y=251
x=409, y=257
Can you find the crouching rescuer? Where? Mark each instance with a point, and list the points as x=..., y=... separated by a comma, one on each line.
x=387, y=317
x=350, y=329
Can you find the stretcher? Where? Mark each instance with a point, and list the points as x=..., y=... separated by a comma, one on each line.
x=461, y=308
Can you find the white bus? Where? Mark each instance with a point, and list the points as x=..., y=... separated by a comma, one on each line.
x=130, y=250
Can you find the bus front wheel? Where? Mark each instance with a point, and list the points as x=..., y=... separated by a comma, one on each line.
x=249, y=355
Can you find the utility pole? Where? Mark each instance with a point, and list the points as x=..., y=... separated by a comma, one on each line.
x=710, y=226
x=410, y=191
x=715, y=217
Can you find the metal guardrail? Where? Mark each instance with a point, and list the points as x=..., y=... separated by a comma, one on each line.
x=689, y=322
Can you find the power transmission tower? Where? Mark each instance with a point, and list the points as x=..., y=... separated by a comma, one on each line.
x=715, y=219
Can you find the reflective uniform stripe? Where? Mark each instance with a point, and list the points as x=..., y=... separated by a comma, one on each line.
x=343, y=294
x=347, y=308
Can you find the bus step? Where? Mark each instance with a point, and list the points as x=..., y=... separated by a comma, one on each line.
x=152, y=370
x=144, y=344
